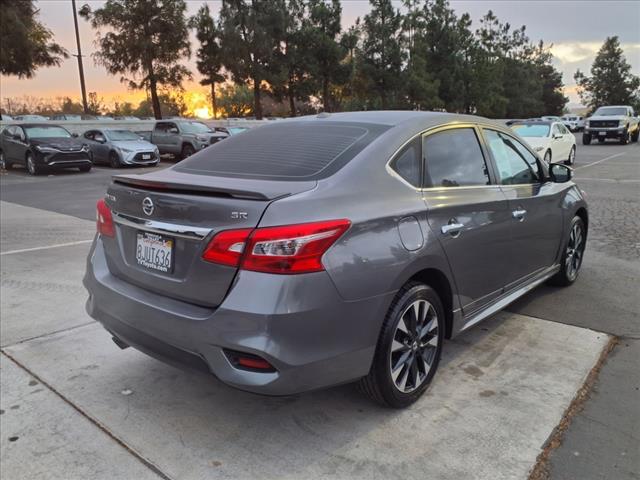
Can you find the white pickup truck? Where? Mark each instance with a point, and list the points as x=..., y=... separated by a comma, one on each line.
x=615, y=121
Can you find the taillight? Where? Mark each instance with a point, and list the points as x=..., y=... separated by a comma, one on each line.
x=104, y=220
x=226, y=247
x=284, y=249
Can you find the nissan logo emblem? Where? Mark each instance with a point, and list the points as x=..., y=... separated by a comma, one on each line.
x=147, y=206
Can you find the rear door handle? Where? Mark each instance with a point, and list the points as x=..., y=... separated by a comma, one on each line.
x=519, y=214
x=452, y=228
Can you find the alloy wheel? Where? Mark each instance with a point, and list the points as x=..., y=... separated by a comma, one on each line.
x=31, y=167
x=575, y=251
x=414, y=346
x=2, y=164
x=572, y=156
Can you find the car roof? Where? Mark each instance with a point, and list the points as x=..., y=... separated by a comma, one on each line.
x=393, y=118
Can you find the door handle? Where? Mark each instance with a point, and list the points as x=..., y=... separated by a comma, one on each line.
x=452, y=228
x=519, y=214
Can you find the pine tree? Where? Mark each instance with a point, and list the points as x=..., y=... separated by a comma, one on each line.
x=611, y=81
x=209, y=55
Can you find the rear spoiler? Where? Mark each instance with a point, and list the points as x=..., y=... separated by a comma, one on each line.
x=169, y=180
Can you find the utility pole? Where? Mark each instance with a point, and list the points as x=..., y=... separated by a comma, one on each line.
x=79, y=55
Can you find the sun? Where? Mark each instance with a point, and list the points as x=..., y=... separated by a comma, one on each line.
x=202, y=112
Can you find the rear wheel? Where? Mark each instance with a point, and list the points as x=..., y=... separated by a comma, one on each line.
x=409, y=347
x=573, y=254
x=188, y=150
x=32, y=167
x=4, y=164
x=114, y=160
x=586, y=139
x=572, y=156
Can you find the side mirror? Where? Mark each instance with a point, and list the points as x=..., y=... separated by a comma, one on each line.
x=560, y=173
x=74, y=135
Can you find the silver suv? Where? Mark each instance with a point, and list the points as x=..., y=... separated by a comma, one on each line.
x=322, y=250
x=183, y=137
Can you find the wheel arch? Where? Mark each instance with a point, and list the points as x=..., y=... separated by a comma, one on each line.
x=584, y=215
x=437, y=280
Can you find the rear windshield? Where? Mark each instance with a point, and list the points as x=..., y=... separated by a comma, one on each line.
x=303, y=150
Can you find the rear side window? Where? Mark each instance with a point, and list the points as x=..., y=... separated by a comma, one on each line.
x=287, y=150
x=454, y=159
x=408, y=164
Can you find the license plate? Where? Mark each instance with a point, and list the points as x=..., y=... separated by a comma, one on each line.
x=602, y=134
x=146, y=156
x=154, y=252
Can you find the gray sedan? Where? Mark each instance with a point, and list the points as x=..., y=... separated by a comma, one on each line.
x=334, y=248
x=120, y=147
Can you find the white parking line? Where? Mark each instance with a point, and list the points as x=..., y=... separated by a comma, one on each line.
x=599, y=161
x=35, y=249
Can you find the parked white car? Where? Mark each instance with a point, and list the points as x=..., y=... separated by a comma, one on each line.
x=551, y=140
x=574, y=123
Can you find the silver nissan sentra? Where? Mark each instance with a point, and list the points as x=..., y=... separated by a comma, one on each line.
x=330, y=249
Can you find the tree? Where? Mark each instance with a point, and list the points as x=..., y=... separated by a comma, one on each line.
x=250, y=37
x=611, y=81
x=236, y=100
x=170, y=105
x=95, y=105
x=291, y=79
x=145, y=40
x=67, y=105
x=209, y=55
x=25, y=43
x=382, y=50
x=322, y=29
x=553, y=98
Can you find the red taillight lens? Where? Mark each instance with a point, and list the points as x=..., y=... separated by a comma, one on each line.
x=226, y=247
x=284, y=249
x=104, y=220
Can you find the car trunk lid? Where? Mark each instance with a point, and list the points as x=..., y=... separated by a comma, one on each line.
x=180, y=213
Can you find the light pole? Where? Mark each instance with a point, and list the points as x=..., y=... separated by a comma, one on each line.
x=79, y=55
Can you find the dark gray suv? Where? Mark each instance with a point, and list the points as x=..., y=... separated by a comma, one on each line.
x=329, y=249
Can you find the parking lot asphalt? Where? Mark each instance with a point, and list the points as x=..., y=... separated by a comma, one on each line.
x=75, y=406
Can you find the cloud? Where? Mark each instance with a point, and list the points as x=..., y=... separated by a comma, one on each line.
x=573, y=52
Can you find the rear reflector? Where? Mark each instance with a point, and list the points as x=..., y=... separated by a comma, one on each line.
x=248, y=361
x=284, y=249
x=104, y=220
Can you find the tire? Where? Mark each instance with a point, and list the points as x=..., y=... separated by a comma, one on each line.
x=573, y=254
x=572, y=157
x=85, y=168
x=601, y=140
x=114, y=160
x=187, y=150
x=586, y=139
x=416, y=362
x=547, y=156
x=636, y=134
x=32, y=167
x=4, y=163
x=625, y=138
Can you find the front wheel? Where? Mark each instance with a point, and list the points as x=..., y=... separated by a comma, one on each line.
x=408, y=349
x=586, y=139
x=573, y=254
x=634, y=137
x=187, y=151
x=4, y=164
x=114, y=160
x=32, y=167
x=625, y=138
x=572, y=156
x=85, y=168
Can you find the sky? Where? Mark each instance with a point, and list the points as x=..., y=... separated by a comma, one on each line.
x=576, y=28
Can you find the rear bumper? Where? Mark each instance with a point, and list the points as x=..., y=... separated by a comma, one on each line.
x=298, y=323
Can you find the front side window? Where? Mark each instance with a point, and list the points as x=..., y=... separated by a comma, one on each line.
x=515, y=164
x=122, y=135
x=195, y=127
x=407, y=164
x=161, y=127
x=454, y=158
